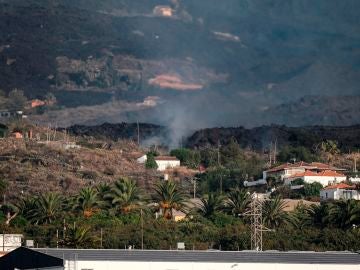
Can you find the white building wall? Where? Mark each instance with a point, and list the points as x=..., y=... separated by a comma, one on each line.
x=337, y=194
x=142, y=159
x=113, y=265
x=324, y=180
x=165, y=164
x=10, y=242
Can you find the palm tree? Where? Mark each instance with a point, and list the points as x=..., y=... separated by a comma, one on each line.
x=48, y=208
x=26, y=206
x=211, y=204
x=78, y=238
x=237, y=202
x=273, y=212
x=168, y=196
x=125, y=195
x=344, y=214
x=300, y=218
x=319, y=214
x=87, y=201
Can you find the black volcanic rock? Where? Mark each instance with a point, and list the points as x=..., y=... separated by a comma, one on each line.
x=259, y=138
x=248, y=56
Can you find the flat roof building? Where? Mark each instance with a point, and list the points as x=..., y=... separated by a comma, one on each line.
x=203, y=260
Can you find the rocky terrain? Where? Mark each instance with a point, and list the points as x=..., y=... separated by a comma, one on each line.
x=34, y=168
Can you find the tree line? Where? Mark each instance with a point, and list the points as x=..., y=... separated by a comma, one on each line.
x=123, y=214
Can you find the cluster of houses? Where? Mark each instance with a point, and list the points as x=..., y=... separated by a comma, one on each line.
x=330, y=177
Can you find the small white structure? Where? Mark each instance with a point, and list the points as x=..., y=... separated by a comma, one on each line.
x=355, y=179
x=255, y=183
x=141, y=159
x=325, y=177
x=9, y=242
x=166, y=162
x=339, y=192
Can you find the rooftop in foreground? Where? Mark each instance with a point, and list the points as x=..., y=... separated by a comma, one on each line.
x=293, y=257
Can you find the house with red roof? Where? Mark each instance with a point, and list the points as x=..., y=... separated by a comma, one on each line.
x=324, y=177
x=340, y=191
x=309, y=172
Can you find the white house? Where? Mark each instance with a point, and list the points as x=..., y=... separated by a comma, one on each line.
x=325, y=177
x=166, y=162
x=102, y=259
x=339, y=192
x=287, y=170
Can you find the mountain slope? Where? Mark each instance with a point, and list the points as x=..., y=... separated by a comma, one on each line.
x=208, y=64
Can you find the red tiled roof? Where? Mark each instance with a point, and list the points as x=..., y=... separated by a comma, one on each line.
x=331, y=173
x=339, y=186
x=323, y=166
x=289, y=165
x=302, y=164
x=320, y=174
x=166, y=158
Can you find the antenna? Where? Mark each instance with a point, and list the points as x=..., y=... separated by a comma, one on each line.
x=218, y=152
x=275, y=150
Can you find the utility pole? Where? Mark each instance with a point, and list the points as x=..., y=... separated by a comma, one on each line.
x=101, y=238
x=57, y=238
x=275, y=150
x=270, y=153
x=142, y=229
x=138, y=132
x=218, y=153
x=355, y=168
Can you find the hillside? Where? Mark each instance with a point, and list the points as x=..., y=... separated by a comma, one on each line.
x=31, y=167
x=209, y=63
x=259, y=138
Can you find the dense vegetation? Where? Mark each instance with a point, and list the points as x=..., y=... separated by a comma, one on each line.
x=119, y=215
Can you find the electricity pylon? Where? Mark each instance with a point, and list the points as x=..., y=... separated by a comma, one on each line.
x=257, y=226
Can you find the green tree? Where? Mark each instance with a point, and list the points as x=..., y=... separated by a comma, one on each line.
x=211, y=204
x=150, y=162
x=344, y=214
x=312, y=190
x=48, y=208
x=78, y=237
x=125, y=195
x=187, y=157
x=319, y=214
x=88, y=202
x=238, y=201
x=299, y=153
x=169, y=196
x=273, y=212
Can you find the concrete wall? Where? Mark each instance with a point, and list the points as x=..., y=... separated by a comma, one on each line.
x=165, y=164
x=112, y=265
